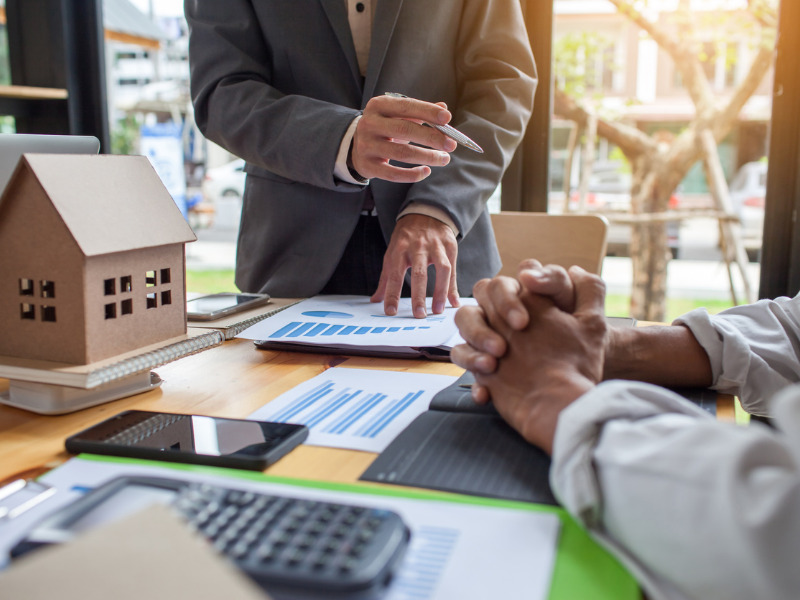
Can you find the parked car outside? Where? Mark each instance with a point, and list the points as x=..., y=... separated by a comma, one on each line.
x=609, y=192
x=223, y=187
x=748, y=190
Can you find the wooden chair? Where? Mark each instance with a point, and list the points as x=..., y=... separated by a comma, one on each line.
x=564, y=240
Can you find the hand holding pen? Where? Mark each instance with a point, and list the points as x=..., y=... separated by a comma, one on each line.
x=383, y=134
x=448, y=130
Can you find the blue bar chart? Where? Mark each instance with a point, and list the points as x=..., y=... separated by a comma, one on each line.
x=363, y=409
x=307, y=329
x=431, y=548
x=345, y=321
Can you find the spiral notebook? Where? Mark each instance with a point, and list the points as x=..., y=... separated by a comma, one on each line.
x=112, y=369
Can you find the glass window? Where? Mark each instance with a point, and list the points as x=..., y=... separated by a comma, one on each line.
x=641, y=168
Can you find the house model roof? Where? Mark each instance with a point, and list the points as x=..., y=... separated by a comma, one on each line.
x=109, y=203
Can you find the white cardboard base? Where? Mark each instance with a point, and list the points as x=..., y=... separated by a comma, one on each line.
x=47, y=399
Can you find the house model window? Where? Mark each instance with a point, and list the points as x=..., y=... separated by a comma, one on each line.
x=47, y=289
x=26, y=287
x=153, y=279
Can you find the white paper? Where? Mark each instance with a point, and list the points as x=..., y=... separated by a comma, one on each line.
x=355, y=321
x=360, y=409
x=457, y=550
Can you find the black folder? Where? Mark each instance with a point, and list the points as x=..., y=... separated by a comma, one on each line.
x=459, y=446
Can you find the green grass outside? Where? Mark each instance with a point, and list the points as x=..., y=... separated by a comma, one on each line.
x=619, y=306
x=211, y=281
x=204, y=281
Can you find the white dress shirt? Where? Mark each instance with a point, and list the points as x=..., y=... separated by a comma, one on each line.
x=696, y=508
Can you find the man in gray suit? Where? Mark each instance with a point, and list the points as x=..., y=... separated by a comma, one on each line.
x=296, y=88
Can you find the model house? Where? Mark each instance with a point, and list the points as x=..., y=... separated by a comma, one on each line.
x=92, y=260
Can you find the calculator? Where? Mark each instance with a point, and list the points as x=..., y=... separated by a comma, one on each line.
x=286, y=544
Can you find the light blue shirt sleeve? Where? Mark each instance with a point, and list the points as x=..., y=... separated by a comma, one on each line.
x=754, y=349
x=695, y=508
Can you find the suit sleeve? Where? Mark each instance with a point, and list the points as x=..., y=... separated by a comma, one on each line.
x=694, y=507
x=238, y=107
x=497, y=77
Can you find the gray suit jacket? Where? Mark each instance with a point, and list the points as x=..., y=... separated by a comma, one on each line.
x=276, y=82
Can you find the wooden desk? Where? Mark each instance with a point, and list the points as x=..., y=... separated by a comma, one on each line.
x=231, y=380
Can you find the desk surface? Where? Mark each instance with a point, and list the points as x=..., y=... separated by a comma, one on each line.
x=231, y=380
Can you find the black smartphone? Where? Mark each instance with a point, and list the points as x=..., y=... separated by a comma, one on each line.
x=236, y=443
x=214, y=306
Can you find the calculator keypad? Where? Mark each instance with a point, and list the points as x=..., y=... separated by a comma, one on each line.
x=292, y=541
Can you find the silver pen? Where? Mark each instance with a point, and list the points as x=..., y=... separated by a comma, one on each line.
x=449, y=131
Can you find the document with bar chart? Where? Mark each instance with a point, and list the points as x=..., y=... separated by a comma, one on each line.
x=342, y=322
x=360, y=409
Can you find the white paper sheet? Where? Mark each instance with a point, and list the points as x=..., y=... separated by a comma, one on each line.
x=457, y=550
x=360, y=409
x=355, y=321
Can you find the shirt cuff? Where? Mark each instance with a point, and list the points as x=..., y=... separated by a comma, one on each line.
x=418, y=208
x=341, y=170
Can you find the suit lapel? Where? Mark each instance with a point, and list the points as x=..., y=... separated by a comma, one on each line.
x=336, y=10
x=383, y=25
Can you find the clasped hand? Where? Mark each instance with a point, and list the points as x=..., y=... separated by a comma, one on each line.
x=535, y=344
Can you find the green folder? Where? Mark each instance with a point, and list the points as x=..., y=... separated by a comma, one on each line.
x=583, y=568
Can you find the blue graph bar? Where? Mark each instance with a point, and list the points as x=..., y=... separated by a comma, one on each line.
x=343, y=423
x=348, y=330
x=284, y=330
x=317, y=330
x=388, y=415
x=332, y=329
x=378, y=329
x=362, y=330
x=301, y=330
x=330, y=407
x=303, y=402
x=393, y=329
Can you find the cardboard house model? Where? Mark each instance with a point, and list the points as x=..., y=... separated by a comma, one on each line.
x=92, y=259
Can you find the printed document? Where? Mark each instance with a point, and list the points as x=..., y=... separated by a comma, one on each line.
x=360, y=409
